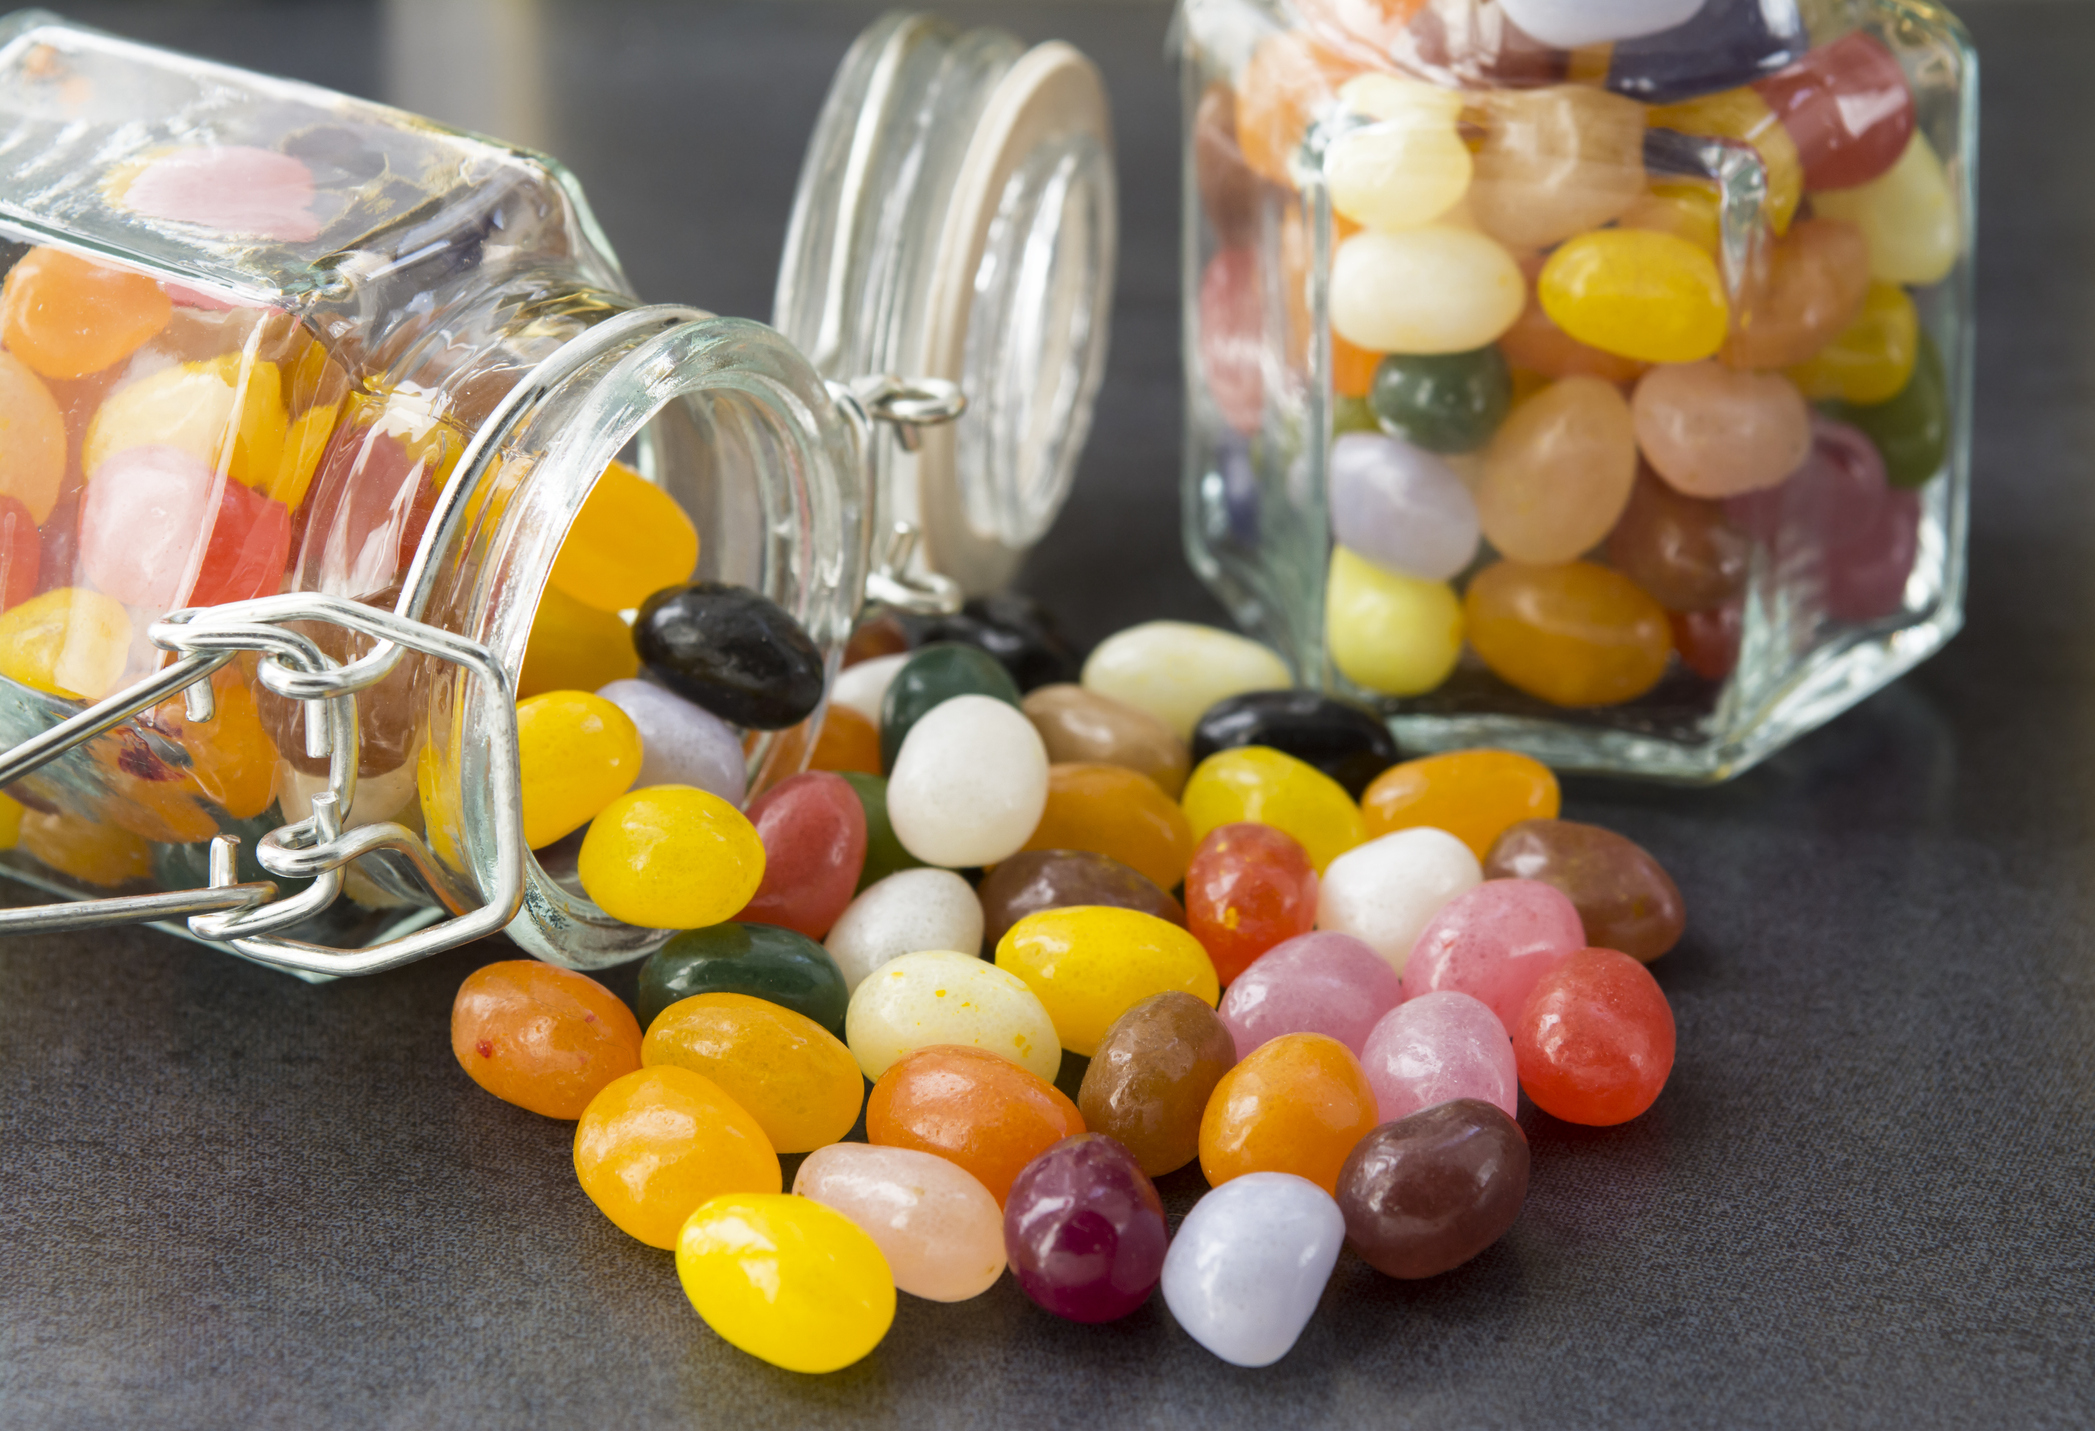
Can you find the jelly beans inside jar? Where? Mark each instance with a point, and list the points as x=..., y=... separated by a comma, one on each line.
x=1588, y=380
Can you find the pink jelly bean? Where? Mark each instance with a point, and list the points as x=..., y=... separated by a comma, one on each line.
x=235, y=188
x=1837, y=522
x=814, y=833
x=140, y=522
x=1232, y=337
x=1493, y=943
x=1323, y=982
x=1439, y=1047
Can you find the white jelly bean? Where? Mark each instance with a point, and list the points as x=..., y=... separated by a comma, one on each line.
x=378, y=797
x=1436, y=1048
x=1400, y=507
x=939, y=1228
x=1408, y=168
x=1396, y=635
x=1175, y=670
x=908, y=911
x=863, y=687
x=1434, y=289
x=940, y=996
x=969, y=783
x=680, y=743
x=1570, y=24
x=1384, y=892
x=1250, y=1261
x=1909, y=215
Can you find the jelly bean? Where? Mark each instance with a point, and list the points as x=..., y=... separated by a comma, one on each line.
x=1680, y=549
x=1595, y=1042
x=543, y=1038
x=21, y=553
x=67, y=316
x=942, y=998
x=1910, y=214
x=1494, y=942
x=874, y=637
x=1116, y=812
x=884, y=853
x=244, y=557
x=656, y=1143
x=1392, y=634
x=1406, y=168
x=1872, y=359
x=1249, y=1264
x=1436, y=1048
x=236, y=188
x=573, y=647
x=11, y=812
x=970, y=783
x=1641, y=294
x=1472, y=794
x=1174, y=670
x=671, y=857
x=1081, y=726
x=1685, y=208
x=1384, y=892
x=1433, y=289
x=140, y=522
x=983, y=1113
x=1708, y=641
x=1289, y=79
x=1084, y=1230
x=1230, y=192
x=576, y=753
x=1569, y=24
x=1342, y=738
x=231, y=757
x=1427, y=1193
x=814, y=834
x=1149, y=1081
x=787, y=1280
x=785, y=1070
x=1556, y=162
x=1320, y=983
x=775, y=965
x=629, y=541
x=1572, y=635
x=1090, y=964
x=1912, y=430
x=932, y=676
x=1015, y=629
x=378, y=797
x=1400, y=508
x=305, y=443
x=680, y=743
x=1352, y=376
x=1058, y=879
x=1742, y=114
x=863, y=687
x=1800, y=295
x=1535, y=345
x=1449, y=402
x=848, y=741
x=1296, y=1105
x=1847, y=107
x=1727, y=42
x=1268, y=787
x=940, y=1230
x=1712, y=432
x=70, y=642
x=733, y=652
x=1250, y=887
x=1464, y=46
x=101, y=855
x=1625, y=899
x=195, y=407
x=1838, y=524
x=1558, y=473
x=904, y=913
x=1232, y=337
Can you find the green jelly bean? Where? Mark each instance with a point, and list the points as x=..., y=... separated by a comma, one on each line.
x=759, y=960
x=1443, y=402
x=1912, y=430
x=931, y=676
x=884, y=853
x=1352, y=414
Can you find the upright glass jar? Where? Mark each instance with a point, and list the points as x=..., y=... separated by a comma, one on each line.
x=303, y=389
x=1590, y=377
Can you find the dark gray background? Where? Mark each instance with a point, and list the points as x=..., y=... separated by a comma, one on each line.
x=230, y=1199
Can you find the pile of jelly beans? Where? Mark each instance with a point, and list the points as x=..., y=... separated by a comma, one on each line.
x=1221, y=912
x=1548, y=392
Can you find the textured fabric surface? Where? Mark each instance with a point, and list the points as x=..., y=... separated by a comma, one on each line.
x=229, y=1199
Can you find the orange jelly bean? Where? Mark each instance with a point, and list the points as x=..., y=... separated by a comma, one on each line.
x=232, y=760
x=1288, y=79
x=32, y=439
x=1297, y=1105
x=541, y=1037
x=848, y=742
x=655, y=1144
x=974, y=1109
x=94, y=854
x=1574, y=635
x=1475, y=795
x=67, y=317
x=1120, y=813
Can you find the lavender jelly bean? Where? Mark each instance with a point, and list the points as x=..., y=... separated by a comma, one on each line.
x=1401, y=507
x=681, y=744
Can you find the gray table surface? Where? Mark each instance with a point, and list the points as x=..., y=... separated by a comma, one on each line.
x=230, y=1199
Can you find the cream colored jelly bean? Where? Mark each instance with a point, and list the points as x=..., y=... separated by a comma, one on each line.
x=1175, y=670
x=942, y=997
x=1434, y=289
x=1909, y=215
x=1410, y=166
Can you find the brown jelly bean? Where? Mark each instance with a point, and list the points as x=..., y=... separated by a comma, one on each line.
x=1057, y=879
x=1082, y=727
x=1625, y=900
x=1149, y=1082
x=1429, y=1192
x=1680, y=549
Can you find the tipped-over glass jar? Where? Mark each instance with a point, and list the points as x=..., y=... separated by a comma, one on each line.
x=301, y=396
x=1587, y=378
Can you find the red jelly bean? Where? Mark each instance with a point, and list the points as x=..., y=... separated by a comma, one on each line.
x=1848, y=108
x=21, y=553
x=1708, y=641
x=814, y=834
x=1595, y=1043
x=1249, y=888
x=250, y=540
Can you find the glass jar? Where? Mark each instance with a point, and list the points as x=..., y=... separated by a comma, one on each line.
x=303, y=395
x=1592, y=379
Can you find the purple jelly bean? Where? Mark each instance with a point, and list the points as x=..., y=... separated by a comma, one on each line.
x=1084, y=1230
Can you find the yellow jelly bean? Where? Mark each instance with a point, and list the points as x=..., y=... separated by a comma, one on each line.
x=671, y=857
x=1409, y=167
x=940, y=996
x=11, y=812
x=200, y=408
x=1396, y=635
x=102, y=855
x=70, y=642
x=1871, y=359
x=258, y=435
x=656, y=1143
x=1908, y=214
x=1642, y=294
x=791, y=1074
x=574, y=647
x=1263, y=785
x=629, y=541
x=1742, y=114
x=32, y=439
x=1089, y=964
x=787, y=1280
x=304, y=443
x=1685, y=208
x=577, y=753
